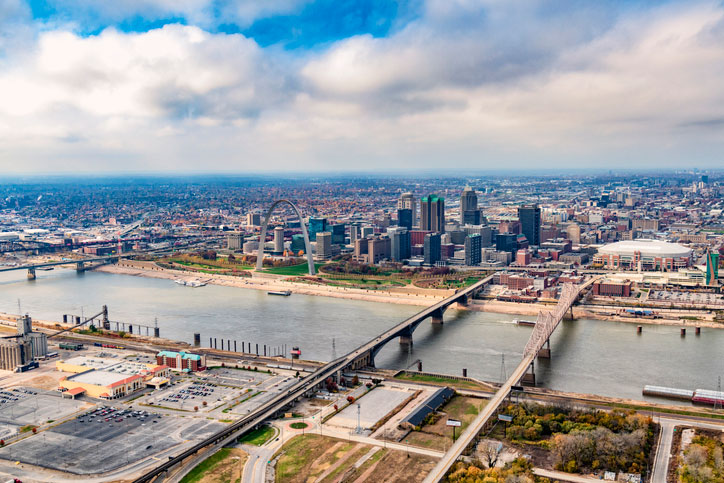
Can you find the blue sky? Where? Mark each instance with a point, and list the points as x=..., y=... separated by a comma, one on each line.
x=223, y=85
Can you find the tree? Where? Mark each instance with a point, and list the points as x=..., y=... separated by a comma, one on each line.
x=491, y=452
x=204, y=403
x=355, y=380
x=231, y=258
x=350, y=399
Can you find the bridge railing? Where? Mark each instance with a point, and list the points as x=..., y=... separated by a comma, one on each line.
x=547, y=322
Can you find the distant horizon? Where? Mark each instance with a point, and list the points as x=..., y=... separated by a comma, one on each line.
x=463, y=175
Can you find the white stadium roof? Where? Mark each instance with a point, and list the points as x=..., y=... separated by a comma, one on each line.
x=654, y=248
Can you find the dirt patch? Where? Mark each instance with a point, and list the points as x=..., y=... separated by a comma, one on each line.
x=228, y=470
x=43, y=382
x=312, y=458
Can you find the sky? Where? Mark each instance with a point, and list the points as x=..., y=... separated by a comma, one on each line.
x=133, y=86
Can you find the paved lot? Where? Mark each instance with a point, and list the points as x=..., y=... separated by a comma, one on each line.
x=373, y=406
x=21, y=406
x=91, y=446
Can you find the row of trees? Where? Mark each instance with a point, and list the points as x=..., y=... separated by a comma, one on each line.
x=517, y=471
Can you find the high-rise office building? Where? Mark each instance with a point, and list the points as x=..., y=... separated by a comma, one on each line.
x=278, y=239
x=469, y=212
x=400, y=245
x=234, y=240
x=367, y=231
x=404, y=218
x=378, y=249
x=316, y=225
x=529, y=216
x=353, y=234
x=506, y=242
x=473, y=249
x=253, y=219
x=712, y=267
x=432, y=213
x=338, y=233
x=297, y=244
x=324, y=245
x=407, y=201
x=431, y=249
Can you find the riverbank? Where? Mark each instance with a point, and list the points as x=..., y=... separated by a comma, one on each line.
x=268, y=282
x=399, y=295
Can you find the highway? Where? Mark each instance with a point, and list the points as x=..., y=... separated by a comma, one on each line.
x=267, y=410
x=545, y=325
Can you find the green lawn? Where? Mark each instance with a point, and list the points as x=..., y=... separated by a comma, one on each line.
x=259, y=436
x=301, y=269
x=442, y=381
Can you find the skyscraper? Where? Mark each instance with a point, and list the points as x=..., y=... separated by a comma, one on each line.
x=432, y=213
x=324, y=245
x=473, y=249
x=529, y=216
x=407, y=202
x=469, y=212
x=278, y=239
x=400, y=245
x=431, y=249
x=338, y=233
x=234, y=240
x=404, y=218
x=316, y=225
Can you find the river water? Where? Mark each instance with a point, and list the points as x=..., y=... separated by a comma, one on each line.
x=589, y=356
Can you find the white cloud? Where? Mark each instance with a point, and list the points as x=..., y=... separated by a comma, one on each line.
x=442, y=92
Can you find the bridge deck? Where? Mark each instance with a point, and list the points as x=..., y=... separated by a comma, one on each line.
x=545, y=325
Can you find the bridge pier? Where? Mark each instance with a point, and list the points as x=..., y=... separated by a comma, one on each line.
x=80, y=267
x=31, y=274
x=437, y=316
x=529, y=377
x=545, y=352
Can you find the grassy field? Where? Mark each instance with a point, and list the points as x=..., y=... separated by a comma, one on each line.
x=298, y=270
x=441, y=381
x=224, y=466
x=316, y=458
x=259, y=436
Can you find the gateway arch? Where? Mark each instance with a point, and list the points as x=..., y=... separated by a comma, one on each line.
x=262, y=238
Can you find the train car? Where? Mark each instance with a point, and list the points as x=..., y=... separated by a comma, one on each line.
x=704, y=396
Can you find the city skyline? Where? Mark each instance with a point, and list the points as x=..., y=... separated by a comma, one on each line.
x=206, y=86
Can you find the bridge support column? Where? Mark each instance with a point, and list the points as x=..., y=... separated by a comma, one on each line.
x=529, y=377
x=406, y=337
x=31, y=274
x=437, y=316
x=545, y=352
x=80, y=267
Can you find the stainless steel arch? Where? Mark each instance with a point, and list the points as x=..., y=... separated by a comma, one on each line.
x=307, y=245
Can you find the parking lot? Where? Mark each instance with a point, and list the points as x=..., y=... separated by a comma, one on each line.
x=190, y=394
x=106, y=439
x=684, y=298
x=27, y=406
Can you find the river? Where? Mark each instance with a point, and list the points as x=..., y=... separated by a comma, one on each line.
x=589, y=356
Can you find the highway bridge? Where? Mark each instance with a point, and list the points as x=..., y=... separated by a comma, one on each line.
x=359, y=357
x=80, y=264
x=546, y=324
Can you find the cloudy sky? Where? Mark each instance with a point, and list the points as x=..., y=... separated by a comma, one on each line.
x=292, y=85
